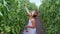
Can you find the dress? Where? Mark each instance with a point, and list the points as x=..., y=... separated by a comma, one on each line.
x=30, y=30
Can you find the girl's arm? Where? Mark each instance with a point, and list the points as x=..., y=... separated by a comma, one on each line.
x=27, y=9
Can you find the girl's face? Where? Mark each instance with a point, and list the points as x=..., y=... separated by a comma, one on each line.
x=36, y=13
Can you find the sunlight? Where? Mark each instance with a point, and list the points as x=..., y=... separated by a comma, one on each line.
x=37, y=2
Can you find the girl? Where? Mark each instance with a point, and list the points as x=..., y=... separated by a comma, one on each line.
x=31, y=26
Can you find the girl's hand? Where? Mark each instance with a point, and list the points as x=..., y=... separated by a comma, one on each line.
x=25, y=5
x=26, y=30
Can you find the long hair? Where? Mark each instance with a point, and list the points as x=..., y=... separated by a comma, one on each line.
x=40, y=29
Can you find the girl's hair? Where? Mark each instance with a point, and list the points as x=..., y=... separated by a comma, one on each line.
x=34, y=16
x=40, y=29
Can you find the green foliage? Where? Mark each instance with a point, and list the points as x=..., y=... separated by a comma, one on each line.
x=50, y=13
x=13, y=16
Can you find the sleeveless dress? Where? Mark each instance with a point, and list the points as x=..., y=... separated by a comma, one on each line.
x=30, y=30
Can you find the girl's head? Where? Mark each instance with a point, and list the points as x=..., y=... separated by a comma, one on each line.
x=35, y=13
